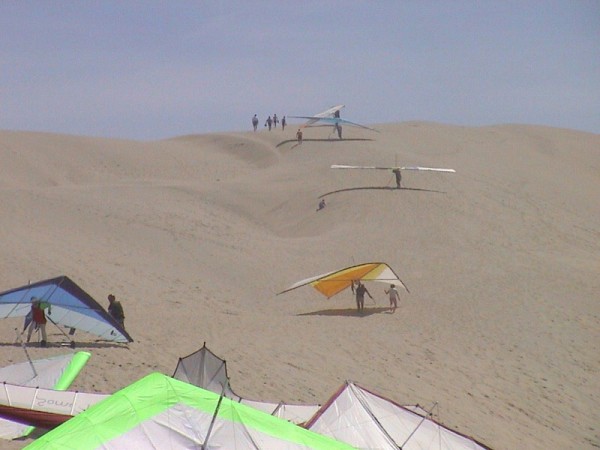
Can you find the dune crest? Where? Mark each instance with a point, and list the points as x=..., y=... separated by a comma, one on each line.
x=196, y=235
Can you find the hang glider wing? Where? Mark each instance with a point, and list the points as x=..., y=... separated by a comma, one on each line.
x=331, y=111
x=330, y=118
x=364, y=419
x=332, y=283
x=56, y=372
x=332, y=121
x=431, y=169
x=206, y=370
x=71, y=307
x=159, y=410
x=344, y=166
x=42, y=403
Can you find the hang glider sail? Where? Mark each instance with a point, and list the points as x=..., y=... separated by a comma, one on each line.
x=159, y=410
x=56, y=372
x=431, y=169
x=40, y=407
x=206, y=370
x=330, y=118
x=367, y=420
x=332, y=283
x=71, y=306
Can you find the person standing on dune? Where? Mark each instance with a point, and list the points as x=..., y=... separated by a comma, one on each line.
x=115, y=309
x=398, y=178
x=255, y=122
x=360, y=292
x=394, y=297
x=38, y=319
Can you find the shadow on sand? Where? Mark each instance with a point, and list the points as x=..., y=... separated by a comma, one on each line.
x=385, y=188
x=349, y=312
x=295, y=141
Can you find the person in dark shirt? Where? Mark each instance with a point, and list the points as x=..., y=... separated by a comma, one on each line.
x=360, y=290
x=115, y=309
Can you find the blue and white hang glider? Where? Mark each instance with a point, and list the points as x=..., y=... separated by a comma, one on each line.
x=330, y=118
x=70, y=307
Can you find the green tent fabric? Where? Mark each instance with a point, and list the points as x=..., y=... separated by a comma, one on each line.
x=161, y=412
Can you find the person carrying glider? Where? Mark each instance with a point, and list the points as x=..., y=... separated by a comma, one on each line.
x=398, y=177
x=338, y=128
x=38, y=319
x=394, y=297
x=115, y=309
x=360, y=290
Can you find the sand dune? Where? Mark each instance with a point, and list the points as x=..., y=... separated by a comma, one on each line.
x=197, y=234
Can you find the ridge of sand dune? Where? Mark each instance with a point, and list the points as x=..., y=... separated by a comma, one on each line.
x=197, y=234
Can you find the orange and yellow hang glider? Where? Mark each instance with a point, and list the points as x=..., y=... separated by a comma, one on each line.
x=332, y=283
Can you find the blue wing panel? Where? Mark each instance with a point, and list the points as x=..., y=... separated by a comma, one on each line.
x=71, y=306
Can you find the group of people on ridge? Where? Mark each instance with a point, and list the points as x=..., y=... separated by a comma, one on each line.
x=270, y=122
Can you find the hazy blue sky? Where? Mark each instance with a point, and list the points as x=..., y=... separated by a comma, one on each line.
x=157, y=69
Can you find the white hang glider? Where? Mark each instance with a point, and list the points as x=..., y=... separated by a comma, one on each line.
x=432, y=169
x=330, y=118
x=396, y=170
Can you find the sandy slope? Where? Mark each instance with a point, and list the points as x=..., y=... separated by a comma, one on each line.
x=197, y=234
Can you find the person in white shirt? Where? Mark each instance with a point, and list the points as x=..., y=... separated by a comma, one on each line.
x=394, y=297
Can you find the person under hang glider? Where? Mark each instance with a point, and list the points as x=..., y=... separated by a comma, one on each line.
x=332, y=283
x=331, y=118
x=397, y=171
x=72, y=308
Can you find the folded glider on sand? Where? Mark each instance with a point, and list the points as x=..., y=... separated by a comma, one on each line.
x=332, y=283
x=71, y=308
x=367, y=420
x=206, y=370
x=330, y=118
x=161, y=412
x=49, y=408
x=55, y=372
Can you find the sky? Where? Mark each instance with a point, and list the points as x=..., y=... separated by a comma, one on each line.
x=149, y=69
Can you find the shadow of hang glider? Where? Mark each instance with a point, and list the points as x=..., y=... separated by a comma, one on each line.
x=347, y=312
x=322, y=140
x=385, y=188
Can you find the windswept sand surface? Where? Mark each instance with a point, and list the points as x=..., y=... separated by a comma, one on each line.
x=197, y=234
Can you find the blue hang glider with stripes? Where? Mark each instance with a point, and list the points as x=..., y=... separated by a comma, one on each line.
x=330, y=118
x=71, y=308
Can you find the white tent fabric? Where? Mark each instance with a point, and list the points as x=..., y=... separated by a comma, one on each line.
x=368, y=421
x=206, y=370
